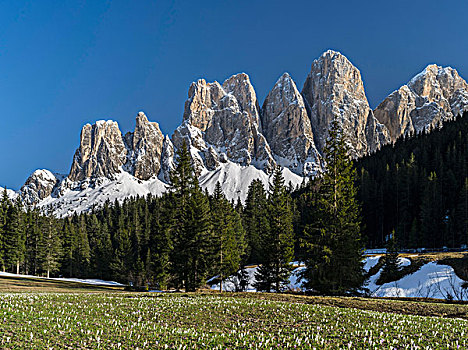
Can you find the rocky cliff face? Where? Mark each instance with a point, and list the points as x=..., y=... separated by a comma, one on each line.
x=334, y=89
x=145, y=146
x=431, y=97
x=222, y=122
x=287, y=128
x=102, y=152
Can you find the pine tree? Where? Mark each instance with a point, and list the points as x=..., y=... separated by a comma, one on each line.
x=391, y=266
x=334, y=263
x=14, y=245
x=255, y=220
x=278, y=242
x=461, y=216
x=160, y=243
x=229, y=241
x=50, y=246
x=192, y=226
x=3, y=213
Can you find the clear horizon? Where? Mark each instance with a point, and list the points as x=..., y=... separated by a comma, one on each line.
x=64, y=65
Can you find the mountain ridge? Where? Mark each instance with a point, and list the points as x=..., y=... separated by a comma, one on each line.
x=229, y=134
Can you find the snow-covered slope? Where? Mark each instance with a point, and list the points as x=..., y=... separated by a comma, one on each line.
x=82, y=199
x=234, y=179
x=11, y=194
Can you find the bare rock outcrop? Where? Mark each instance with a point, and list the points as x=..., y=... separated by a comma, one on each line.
x=225, y=118
x=287, y=128
x=102, y=152
x=334, y=90
x=145, y=148
x=167, y=160
x=433, y=96
x=38, y=186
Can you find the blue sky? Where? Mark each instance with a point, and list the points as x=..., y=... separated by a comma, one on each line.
x=66, y=63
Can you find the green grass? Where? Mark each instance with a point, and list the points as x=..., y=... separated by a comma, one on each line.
x=212, y=321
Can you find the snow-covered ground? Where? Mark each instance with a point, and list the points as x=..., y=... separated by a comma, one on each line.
x=234, y=179
x=79, y=280
x=431, y=281
x=230, y=284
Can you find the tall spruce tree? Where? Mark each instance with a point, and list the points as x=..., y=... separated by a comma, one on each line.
x=14, y=245
x=191, y=224
x=255, y=220
x=3, y=213
x=391, y=266
x=50, y=246
x=334, y=261
x=228, y=236
x=278, y=241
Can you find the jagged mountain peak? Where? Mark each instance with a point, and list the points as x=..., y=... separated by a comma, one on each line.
x=222, y=122
x=434, y=95
x=334, y=90
x=287, y=128
x=101, y=153
x=145, y=146
x=230, y=137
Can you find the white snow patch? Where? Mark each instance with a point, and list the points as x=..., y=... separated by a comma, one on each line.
x=125, y=185
x=235, y=179
x=431, y=281
x=79, y=280
x=370, y=262
x=231, y=284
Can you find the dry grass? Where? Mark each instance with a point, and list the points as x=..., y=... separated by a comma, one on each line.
x=31, y=284
x=407, y=306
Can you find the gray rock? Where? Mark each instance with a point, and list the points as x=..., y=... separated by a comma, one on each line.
x=433, y=96
x=334, y=90
x=38, y=186
x=225, y=118
x=145, y=148
x=288, y=130
x=102, y=152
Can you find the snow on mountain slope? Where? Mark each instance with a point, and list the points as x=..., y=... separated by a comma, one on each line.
x=125, y=185
x=234, y=179
x=11, y=194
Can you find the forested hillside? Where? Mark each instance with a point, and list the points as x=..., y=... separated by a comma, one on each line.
x=185, y=236
x=419, y=188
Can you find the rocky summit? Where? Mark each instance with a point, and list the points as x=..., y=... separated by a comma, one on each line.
x=431, y=97
x=232, y=140
x=334, y=90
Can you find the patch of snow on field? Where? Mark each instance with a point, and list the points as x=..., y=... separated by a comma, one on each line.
x=79, y=280
x=370, y=262
x=431, y=281
x=231, y=284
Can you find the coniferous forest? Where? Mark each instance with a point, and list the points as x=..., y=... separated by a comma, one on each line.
x=417, y=187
